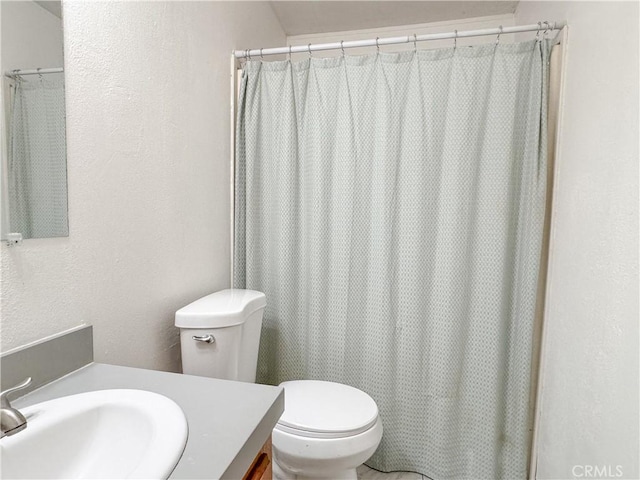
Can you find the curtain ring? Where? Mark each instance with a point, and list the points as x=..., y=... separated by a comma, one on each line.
x=377, y=46
x=498, y=37
x=415, y=42
x=261, y=54
x=538, y=32
x=249, y=54
x=342, y=47
x=309, y=48
x=455, y=39
x=289, y=52
x=546, y=29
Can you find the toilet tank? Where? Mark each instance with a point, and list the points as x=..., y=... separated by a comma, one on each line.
x=220, y=334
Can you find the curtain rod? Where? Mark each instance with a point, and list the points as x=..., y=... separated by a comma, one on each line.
x=35, y=71
x=260, y=52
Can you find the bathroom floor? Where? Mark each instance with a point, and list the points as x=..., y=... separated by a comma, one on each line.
x=366, y=473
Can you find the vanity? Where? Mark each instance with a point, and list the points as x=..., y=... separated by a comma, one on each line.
x=229, y=423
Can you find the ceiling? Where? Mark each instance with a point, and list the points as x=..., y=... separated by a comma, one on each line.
x=53, y=6
x=305, y=17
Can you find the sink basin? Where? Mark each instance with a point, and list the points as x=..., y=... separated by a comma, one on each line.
x=101, y=434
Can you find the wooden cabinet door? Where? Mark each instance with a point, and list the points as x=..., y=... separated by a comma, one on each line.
x=261, y=468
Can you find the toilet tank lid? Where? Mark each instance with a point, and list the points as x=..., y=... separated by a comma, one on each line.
x=225, y=308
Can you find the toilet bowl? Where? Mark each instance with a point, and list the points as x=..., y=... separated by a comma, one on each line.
x=326, y=431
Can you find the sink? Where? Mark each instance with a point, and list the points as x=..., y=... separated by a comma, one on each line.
x=100, y=434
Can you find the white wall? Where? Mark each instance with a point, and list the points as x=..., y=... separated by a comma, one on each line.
x=589, y=410
x=148, y=162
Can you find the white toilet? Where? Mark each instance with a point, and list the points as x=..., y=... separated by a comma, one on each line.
x=220, y=334
x=327, y=429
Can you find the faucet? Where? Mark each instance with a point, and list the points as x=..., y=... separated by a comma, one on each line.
x=11, y=420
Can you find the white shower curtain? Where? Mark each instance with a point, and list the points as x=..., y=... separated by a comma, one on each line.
x=37, y=160
x=390, y=206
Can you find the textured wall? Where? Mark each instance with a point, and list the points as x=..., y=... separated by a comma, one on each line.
x=589, y=410
x=148, y=159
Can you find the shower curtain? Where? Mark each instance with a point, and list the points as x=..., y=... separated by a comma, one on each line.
x=391, y=206
x=37, y=160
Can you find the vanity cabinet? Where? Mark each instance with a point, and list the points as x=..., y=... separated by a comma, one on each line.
x=261, y=468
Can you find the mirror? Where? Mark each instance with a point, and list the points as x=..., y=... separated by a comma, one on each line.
x=34, y=166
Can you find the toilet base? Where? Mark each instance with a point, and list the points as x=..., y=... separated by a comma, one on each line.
x=298, y=457
x=281, y=474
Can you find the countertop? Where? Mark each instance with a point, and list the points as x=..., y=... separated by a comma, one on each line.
x=228, y=421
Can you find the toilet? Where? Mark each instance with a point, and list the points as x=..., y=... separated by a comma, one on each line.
x=327, y=429
x=220, y=334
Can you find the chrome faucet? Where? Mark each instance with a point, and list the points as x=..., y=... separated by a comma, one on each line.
x=11, y=420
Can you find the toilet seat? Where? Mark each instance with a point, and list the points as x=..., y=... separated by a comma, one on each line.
x=317, y=409
x=326, y=431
